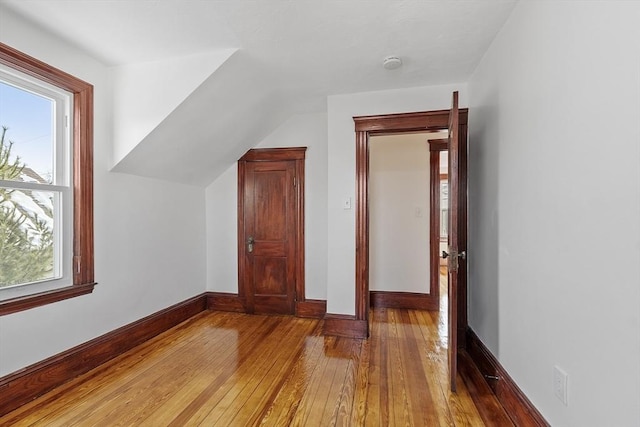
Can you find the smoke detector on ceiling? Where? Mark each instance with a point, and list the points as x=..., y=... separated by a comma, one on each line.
x=392, y=62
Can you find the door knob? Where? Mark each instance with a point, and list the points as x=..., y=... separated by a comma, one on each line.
x=461, y=254
x=250, y=244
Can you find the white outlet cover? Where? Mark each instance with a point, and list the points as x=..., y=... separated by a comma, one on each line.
x=560, y=380
x=346, y=203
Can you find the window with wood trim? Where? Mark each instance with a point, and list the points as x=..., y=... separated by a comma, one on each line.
x=46, y=183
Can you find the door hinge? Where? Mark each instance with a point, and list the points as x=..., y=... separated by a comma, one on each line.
x=294, y=181
x=76, y=264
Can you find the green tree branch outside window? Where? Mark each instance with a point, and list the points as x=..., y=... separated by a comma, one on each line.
x=26, y=238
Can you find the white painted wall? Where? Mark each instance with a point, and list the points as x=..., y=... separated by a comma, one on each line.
x=399, y=213
x=341, y=173
x=550, y=198
x=222, y=232
x=149, y=239
x=145, y=93
x=303, y=130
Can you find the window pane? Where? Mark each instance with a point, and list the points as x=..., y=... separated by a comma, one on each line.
x=30, y=133
x=26, y=236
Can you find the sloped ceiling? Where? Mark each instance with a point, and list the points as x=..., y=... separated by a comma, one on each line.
x=290, y=56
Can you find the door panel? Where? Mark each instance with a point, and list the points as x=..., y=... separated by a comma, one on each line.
x=454, y=237
x=270, y=202
x=269, y=237
x=270, y=275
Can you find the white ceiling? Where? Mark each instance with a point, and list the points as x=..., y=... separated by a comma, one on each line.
x=309, y=48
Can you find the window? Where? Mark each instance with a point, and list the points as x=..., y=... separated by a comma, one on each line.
x=46, y=183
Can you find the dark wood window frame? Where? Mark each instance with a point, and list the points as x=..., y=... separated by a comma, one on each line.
x=83, y=270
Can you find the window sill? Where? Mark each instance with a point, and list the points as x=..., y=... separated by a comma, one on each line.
x=15, y=305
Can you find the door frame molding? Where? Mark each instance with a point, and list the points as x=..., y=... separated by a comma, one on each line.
x=366, y=126
x=436, y=146
x=296, y=154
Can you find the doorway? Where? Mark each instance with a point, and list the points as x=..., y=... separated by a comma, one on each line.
x=365, y=127
x=439, y=217
x=403, y=219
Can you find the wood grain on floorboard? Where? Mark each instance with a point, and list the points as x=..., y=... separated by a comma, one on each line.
x=233, y=369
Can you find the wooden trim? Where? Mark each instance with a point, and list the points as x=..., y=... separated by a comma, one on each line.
x=26, y=302
x=519, y=408
x=221, y=301
x=434, y=226
x=343, y=325
x=311, y=308
x=438, y=144
x=33, y=67
x=274, y=154
x=398, y=123
x=300, y=237
x=435, y=147
x=407, y=300
x=407, y=122
x=83, y=237
x=24, y=385
x=490, y=410
x=362, y=228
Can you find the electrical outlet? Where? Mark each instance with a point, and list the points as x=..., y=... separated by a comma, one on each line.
x=560, y=379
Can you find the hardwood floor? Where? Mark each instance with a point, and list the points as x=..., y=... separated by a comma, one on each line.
x=230, y=369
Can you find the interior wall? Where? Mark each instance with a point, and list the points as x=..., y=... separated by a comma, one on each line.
x=341, y=174
x=549, y=198
x=302, y=130
x=399, y=211
x=139, y=107
x=149, y=240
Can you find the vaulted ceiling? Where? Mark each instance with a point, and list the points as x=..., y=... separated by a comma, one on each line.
x=234, y=70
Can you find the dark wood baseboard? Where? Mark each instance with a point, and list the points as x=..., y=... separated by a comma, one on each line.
x=221, y=301
x=513, y=400
x=490, y=410
x=311, y=308
x=24, y=385
x=406, y=300
x=343, y=325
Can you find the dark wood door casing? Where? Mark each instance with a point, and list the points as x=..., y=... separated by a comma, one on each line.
x=425, y=121
x=436, y=146
x=271, y=212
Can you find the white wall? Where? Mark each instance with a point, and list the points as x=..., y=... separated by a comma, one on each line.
x=341, y=173
x=222, y=232
x=399, y=213
x=149, y=235
x=551, y=197
x=303, y=130
x=139, y=106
